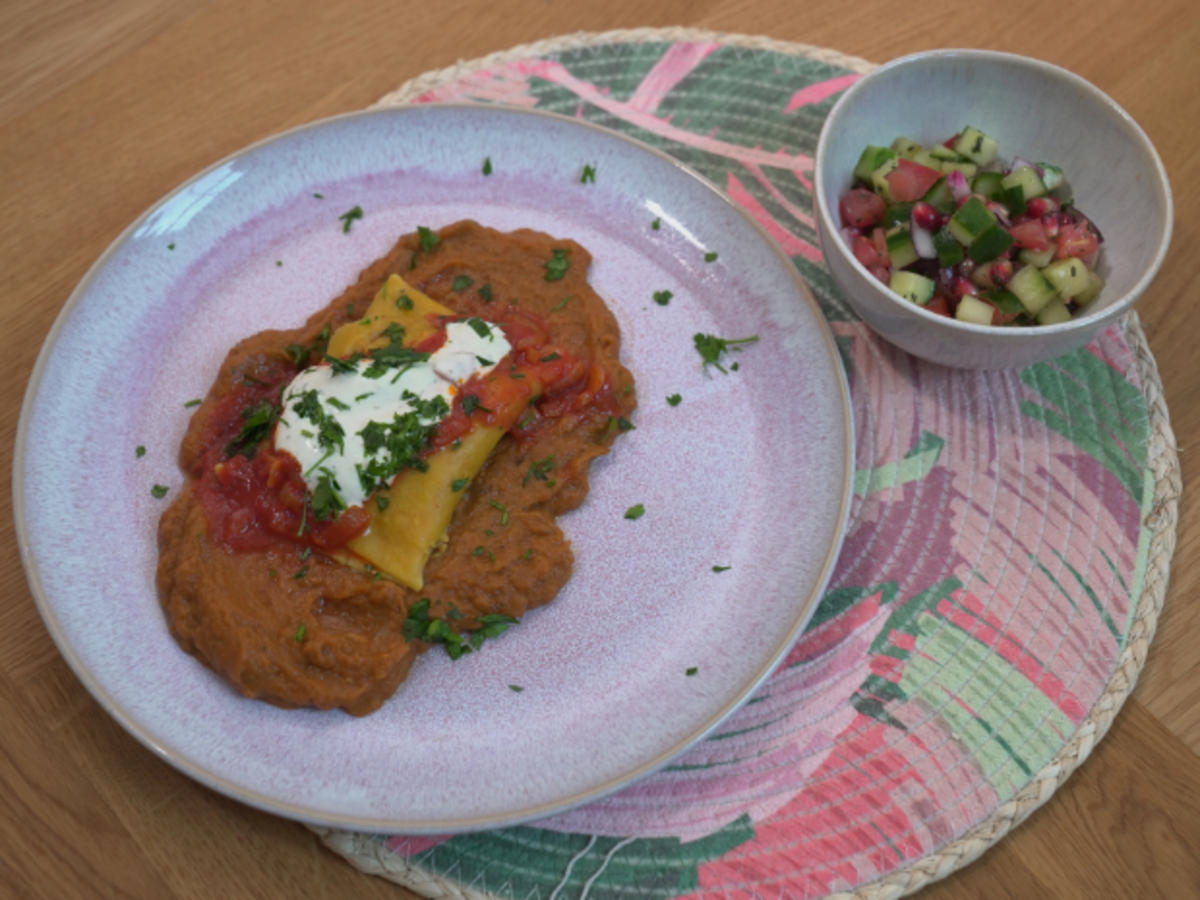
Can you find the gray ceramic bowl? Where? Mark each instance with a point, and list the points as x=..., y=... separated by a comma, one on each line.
x=1034, y=110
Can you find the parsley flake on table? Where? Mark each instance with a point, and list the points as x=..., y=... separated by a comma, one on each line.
x=721, y=568
x=635, y=512
x=159, y=491
x=674, y=399
x=710, y=256
x=662, y=298
x=195, y=401
x=139, y=451
x=348, y=217
x=692, y=670
x=710, y=347
x=487, y=165
x=656, y=224
x=515, y=688
x=588, y=176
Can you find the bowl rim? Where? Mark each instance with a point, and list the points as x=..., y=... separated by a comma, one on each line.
x=826, y=218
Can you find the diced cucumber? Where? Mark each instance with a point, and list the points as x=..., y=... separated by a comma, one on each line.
x=1069, y=276
x=1054, y=312
x=972, y=309
x=906, y=147
x=879, y=180
x=1013, y=198
x=871, y=159
x=901, y=250
x=1007, y=302
x=1094, y=287
x=941, y=151
x=976, y=146
x=1029, y=180
x=912, y=286
x=1052, y=176
x=971, y=220
x=969, y=169
x=992, y=243
x=897, y=213
x=1032, y=289
x=949, y=250
x=987, y=183
x=927, y=159
x=940, y=197
x=1039, y=258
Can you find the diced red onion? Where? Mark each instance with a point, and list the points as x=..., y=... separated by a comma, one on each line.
x=957, y=182
x=922, y=239
x=1000, y=211
x=1020, y=163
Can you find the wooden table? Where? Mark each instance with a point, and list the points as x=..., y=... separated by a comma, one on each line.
x=105, y=107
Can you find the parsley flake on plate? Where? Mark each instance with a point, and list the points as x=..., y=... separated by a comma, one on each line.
x=710, y=347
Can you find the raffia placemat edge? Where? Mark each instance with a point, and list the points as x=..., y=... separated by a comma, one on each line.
x=369, y=854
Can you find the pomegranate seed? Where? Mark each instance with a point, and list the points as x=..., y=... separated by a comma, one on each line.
x=926, y=216
x=1041, y=206
x=963, y=286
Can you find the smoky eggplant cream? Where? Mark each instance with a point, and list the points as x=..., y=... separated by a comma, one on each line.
x=387, y=477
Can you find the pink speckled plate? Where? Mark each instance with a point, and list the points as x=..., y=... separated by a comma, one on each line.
x=752, y=470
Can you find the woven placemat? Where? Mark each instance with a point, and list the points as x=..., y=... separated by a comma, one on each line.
x=999, y=586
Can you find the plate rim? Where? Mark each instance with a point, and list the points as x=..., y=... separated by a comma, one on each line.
x=222, y=784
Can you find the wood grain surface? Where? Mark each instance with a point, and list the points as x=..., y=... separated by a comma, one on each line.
x=107, y=106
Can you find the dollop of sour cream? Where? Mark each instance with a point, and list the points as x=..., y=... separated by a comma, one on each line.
x=352, y=399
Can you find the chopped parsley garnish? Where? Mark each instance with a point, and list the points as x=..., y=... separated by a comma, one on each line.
x=551, y=357
x=470, y=403
x=656, y=224
x=635, y=512
x=487, y=165
x=539, y=470
x=319, y=196
x=139, y=451
x=458, y=484
x=347, y=218
x=300, y=574
x=558, y=264
x=301, y=632
x=338, y=404
x=159, y=491
x=588, y=175
x=171, y=246
x=326, y=503
x=461, y=283
x=257, y=422
x=721, y=568
x=427, y=238
x=486, y=293
x=674, y=399
x=615, y=424
x=481, y=328
x=710, y=256
x=195, y=401
x=662, y=298
x=692, y=670
x=383, y=502
x=301, y=353
x=397, y=445
x=515, y=688
x=420, y=626
x=330, y=434
x=560, y=304
x=496, y=504
x=404, y=301
x=710, y=347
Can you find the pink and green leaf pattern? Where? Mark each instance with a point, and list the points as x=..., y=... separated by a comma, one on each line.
x=994, y=555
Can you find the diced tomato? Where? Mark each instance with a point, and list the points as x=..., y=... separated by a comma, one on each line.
x=1078, y=240
x=939, y=304
x=911, y=181
x=867, y=253
x=883, y=273
x=861, y=208
x=1030, y=234
x=1001, y=318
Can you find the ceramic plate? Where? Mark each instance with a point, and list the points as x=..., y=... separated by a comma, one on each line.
x=752, y=470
